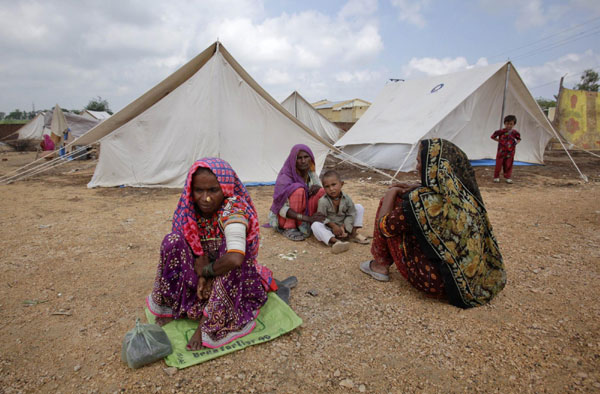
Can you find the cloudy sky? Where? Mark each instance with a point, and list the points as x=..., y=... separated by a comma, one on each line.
x=67, y=52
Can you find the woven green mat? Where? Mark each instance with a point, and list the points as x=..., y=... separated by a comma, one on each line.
x=275, y=318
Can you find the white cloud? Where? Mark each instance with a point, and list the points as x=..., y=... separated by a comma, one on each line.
x=531, y=13
x=305, y=40
x=69, y=53
x=360, y=76
x=308, y=48
x=430, y=66
x=411, y=11
x=544, y=80
x=358, y=9
x=276, y=77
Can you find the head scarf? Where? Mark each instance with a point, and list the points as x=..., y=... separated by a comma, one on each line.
x=448, y=217
x=288, y=178
x=185, y=219
x=48, y=143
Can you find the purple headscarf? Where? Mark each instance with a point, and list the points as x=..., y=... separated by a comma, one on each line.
x=288, y=179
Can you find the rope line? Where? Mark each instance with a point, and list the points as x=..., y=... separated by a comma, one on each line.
x=25, y=172
x=548, y=37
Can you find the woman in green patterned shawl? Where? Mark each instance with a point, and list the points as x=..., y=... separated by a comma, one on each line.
x=438, y=233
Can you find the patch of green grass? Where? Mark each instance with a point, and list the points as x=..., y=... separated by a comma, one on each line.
x=13, y=121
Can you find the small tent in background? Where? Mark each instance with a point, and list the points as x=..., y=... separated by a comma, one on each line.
x=78, y=125
x=34, y=129
x=61, y=121
x=208, y=107
x=463, y=107
x=58, y=125
x=578, y=118
x=307, y=114
x=42, y=124
x=95, y=115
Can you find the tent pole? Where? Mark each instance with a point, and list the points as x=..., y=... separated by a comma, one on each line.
x=295, y=104
x=504, y=96
x=556, y=120
x=406, y=158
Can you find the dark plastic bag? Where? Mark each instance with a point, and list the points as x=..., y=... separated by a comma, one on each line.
x=145, y=344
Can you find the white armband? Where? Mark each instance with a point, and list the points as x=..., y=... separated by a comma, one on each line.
x=235, y=236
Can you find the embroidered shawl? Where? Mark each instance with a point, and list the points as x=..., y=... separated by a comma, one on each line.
x=185, y=218
x=450, y=221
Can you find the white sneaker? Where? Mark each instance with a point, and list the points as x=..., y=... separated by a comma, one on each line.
x=508, y=180
x=340, y=247
x=496, y=180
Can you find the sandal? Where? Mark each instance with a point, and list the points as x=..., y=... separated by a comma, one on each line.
x=360, y=239
x=293, y=234
x=284, y=293
x=290, y=282
x=340, y=247
x=365, y=267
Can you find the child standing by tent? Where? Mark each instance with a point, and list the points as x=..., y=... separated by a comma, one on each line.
x=507, y=138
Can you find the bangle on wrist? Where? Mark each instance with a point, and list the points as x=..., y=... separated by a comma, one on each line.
x=208, y=271
x=300, y=217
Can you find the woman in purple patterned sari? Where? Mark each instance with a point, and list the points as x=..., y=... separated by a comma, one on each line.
x=208, y=270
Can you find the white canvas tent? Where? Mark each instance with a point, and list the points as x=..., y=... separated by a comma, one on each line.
x=79, y=125
x=95, y=115
x=34, y=129
x=42, y=123
x=464, y=107
x=307, y=114
x=208, y=107
x=58, y=122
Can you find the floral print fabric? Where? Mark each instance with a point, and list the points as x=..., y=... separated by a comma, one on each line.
x=449, y=219
x=394, y=242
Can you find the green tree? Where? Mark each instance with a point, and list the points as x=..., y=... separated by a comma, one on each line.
x=17, y=115
x=2, y=115
x=98, y=104
x=545, y=103
x=589, y=81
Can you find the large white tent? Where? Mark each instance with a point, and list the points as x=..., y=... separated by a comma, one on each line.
x=463, y=107
x=208, y=107
x=307, y=114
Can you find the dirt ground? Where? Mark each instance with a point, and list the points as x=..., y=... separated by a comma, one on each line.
x=76, y=264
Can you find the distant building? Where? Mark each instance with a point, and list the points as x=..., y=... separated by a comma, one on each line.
x=343, y=113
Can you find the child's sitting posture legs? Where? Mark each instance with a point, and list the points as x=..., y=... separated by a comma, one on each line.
x=332, y=234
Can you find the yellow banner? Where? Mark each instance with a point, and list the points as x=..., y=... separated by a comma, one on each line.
x=579, y=113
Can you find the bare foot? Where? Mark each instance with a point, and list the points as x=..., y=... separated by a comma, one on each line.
x=161, y=321
x=195, y=342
